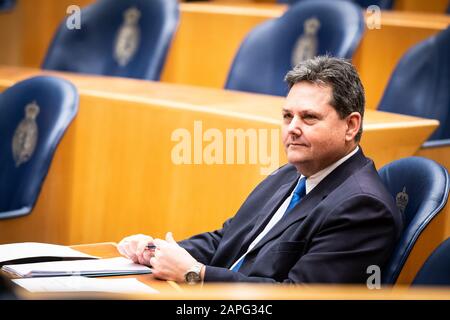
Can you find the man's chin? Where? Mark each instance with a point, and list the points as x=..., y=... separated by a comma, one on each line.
x=296, y=159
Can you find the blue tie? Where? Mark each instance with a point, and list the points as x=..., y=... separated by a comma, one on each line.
x=298, y=194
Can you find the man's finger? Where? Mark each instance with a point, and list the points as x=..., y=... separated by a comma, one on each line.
x=169, y=238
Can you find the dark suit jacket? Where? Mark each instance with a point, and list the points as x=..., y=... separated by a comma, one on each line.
x=348, y=222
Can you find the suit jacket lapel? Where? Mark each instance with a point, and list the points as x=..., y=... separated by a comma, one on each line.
x=271, y=206
x=313, y=198
x=300, y=211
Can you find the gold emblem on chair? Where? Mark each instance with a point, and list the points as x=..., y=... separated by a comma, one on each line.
x=307, y=45
x=402, y=200
x=128, y=37
x=26, y=135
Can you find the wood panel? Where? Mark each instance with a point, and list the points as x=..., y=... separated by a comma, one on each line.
x=113, y=173
x=435, y=6
x=438, y=154
x=208, y=38
x=27, y=30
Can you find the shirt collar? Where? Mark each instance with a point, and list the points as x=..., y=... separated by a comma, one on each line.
x=315, y=179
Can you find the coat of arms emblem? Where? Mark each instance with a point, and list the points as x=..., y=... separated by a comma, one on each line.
x=402, y=200
x=128, y=37
x=26, y=135
x=307, y=45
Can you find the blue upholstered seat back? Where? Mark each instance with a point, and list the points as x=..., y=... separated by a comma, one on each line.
x=34, y=114
x=436, y=269
x=420, y=187
x=265, y=56
x=419, y=85
x=146, y=27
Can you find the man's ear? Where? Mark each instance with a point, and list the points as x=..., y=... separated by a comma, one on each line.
x=353, y=124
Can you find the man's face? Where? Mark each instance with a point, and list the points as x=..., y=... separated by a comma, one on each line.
x=313, y=134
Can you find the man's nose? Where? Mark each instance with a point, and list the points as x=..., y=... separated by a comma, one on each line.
x=294, y=126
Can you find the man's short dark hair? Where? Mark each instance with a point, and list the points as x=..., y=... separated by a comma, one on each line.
x=341, y=76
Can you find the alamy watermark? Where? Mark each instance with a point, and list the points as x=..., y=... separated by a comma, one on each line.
x=74, y=20
x=232, y=146
x=373, y=17
x=374, y=280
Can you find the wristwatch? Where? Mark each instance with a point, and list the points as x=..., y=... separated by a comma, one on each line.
x=192, y=276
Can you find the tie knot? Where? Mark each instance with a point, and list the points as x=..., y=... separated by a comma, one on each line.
x=298, y=194
x=300, y=189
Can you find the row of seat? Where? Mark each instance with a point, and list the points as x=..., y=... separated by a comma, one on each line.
x=131, y=39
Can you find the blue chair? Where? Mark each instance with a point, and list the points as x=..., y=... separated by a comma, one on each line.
x=383, y=4
x=436, y=270
x=306, y=29
x=419, y=85
x=6, y=5
x=34, y=114
x=116, y=38
x=420, y=187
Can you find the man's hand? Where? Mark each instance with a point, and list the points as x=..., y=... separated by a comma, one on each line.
x=170, y=261
x=134, y=248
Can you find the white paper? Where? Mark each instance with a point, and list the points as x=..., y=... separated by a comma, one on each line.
x=22, y=250
x=100, y=267
x=84, y=284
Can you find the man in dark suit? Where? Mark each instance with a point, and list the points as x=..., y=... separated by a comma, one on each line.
x=323, y=218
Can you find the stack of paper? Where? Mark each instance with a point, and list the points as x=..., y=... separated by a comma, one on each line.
x=27, y=252
x=83, y=284
x=100, y=267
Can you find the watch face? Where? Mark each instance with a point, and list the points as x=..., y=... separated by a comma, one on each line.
x=192, y=277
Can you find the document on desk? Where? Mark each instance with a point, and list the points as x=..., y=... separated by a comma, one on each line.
x=90, y=268
x=84, y=284
x=27, y=252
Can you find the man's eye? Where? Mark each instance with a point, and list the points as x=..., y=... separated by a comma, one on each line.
x=309, y=117
x=287, y=116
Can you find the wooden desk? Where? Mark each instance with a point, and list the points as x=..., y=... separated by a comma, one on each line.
x=240, y=291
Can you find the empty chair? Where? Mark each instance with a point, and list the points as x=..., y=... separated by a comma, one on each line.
x=305, y=30
x=6, y=5
x=420, y=187
x=34, y=114
x=419, y=85
x=116, y=38
x=436, y=270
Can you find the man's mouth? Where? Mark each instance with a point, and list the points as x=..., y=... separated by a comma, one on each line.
x=297, y=145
